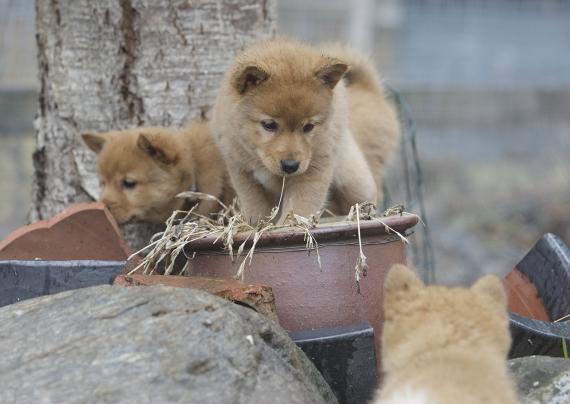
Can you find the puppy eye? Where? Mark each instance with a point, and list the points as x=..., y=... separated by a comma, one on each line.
x=270, y=125
x=308, y=127
x=128, y=184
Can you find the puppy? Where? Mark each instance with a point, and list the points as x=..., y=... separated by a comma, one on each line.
x=442, y=345
x=282, y=111
x=143, y=169
x=372, y=119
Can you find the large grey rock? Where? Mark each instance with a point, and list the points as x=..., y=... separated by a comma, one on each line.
x=542, y=379
x=149, y=344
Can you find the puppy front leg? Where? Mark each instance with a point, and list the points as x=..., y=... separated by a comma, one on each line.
x=305, y=194
x=253, y=200
x=353, y=181
x=207, y=206
x=211, y=182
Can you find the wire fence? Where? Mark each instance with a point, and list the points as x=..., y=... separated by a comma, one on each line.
x=407, y=186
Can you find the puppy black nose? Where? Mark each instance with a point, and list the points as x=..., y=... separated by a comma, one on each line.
x=289, y=166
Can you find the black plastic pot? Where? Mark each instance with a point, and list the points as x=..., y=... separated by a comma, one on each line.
x=20, y=280
x=346, y=358
x=547, y=266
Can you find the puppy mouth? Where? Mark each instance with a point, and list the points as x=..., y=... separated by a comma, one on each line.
x=128, y=220
x=284, y=167
x=295, y=174
x=120, y=219
x=279, y=172
x=123, y=217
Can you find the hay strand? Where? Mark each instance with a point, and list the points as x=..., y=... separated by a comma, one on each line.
x=185, y=227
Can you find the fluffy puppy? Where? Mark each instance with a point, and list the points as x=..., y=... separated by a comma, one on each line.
x=444, y=345
x=143, y=169
x=282, y=111
x=372, y=119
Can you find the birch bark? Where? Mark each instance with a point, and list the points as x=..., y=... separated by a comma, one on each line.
x=114, y=64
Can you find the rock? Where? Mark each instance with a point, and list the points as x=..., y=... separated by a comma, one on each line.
x=86, y=231
x=153, y=344
x=256, y=296
x=542, y=379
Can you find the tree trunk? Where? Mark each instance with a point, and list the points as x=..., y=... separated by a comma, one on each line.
x=114, y=64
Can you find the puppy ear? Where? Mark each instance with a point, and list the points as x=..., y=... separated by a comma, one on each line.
x=491, y=286
x=401, y=279
x=94, y=141
x=331, y=73
x=157, y=148
x=250, y=77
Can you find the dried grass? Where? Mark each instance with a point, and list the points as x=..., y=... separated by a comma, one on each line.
x=183, y=228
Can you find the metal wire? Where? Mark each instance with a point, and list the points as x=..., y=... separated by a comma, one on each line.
x=421, y=247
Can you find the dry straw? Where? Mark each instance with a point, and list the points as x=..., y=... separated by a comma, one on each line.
x=184, y=227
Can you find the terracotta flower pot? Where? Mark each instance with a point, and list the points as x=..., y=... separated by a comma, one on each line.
x=308, y=297
x=539, y=294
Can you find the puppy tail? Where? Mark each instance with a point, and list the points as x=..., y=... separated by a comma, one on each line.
x=361, y=72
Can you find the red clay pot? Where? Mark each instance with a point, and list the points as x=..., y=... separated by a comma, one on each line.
x=308, y=297
x=523, y=297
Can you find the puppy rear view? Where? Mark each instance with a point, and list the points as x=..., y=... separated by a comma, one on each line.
x=444, y=345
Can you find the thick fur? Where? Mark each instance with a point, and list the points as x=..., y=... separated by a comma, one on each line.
x=372, y=120
x=158, y=164
x=444, y=345
x=293, y=85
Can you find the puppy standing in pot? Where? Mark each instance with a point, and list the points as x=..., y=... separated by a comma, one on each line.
x=282, y=112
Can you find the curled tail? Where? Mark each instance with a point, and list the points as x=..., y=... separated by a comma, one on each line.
x=361, y=71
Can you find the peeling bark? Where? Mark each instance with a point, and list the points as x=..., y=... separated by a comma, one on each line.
x=117, y=64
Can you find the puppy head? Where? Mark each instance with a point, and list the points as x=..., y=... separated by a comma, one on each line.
x=141, y=172
x=420, y=319
x=284, y=94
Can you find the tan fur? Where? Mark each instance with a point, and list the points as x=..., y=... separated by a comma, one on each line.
x=292, y=84
x=444, y=345
x=162, y=162
x=372, y=120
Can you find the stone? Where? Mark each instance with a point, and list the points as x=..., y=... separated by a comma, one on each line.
x=542, y=379
x=85, y=231
x=256, y=296
x=153, y=344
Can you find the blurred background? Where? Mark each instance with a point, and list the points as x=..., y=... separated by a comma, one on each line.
x=488, y=82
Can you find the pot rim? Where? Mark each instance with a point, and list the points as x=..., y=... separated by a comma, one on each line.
x=322, y=233
x=543, y=328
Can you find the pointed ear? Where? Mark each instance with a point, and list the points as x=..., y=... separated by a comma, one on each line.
x=491, y=286
x=94, y=141
x=158, y=148
x=250, y=77
x=401, y=279
x=331, y=73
